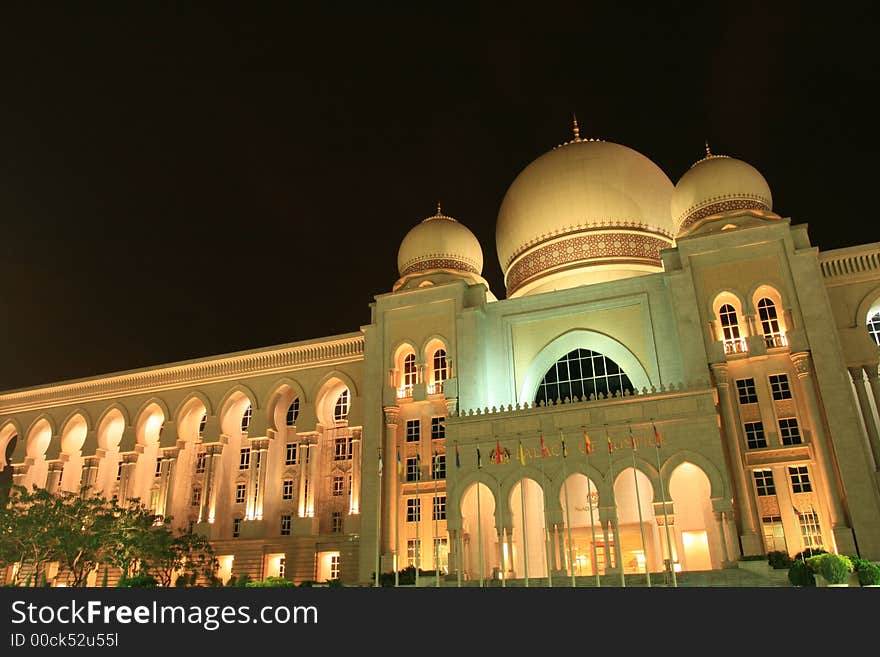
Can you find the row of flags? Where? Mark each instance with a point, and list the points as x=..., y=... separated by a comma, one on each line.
x=498, y=454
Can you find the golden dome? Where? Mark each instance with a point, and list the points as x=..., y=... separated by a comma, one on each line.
x=714, y=185
x=439, y=243
x=587, y=211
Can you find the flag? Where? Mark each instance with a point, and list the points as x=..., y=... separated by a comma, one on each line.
x=588, y=445
x=632, y=439
x=418, y=466
x=521, y=454
x=564, y=451
x=657, y=441
x=435, y=464
x=380, y=463
x=479, y=459
x=610, y=446
x=497, y=452
x=544, y=451
x=457, y=459
x=399, y=463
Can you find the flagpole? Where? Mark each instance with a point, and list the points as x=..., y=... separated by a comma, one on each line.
x=379, y=517
x=567, y=515
x=639, y=506
x=460, y=561
x=665, y=514
x=418, y=555
x=592, y=525
x=397, y=524
x=525, y=545
x=544, y=509
x=479, y=534
x=434, y=515
x=501, y=538
x=618, y=548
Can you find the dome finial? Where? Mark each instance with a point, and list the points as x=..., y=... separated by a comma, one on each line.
x=439, y=211
x=576, y=130
x=708, y=150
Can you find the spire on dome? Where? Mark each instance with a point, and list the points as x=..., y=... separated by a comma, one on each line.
x=575, y=129
x=439, y=215
x=708, y=150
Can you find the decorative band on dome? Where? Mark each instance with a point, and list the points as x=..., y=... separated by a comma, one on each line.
x=595, y=248
x=722, y=206
x=439, y=263
x=622, y=226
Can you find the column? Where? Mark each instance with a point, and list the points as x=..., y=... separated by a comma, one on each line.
x=354, y=503
x=725, y=554
x=56, y=470
x=129, y=461
x=166, y=486
x=858, y=379
x=825, y=460
x=213, y=453
x=262, y=469
x=250, y=502
x=874, y=382
x=730, y=533
x=604, y=514
x=390, y=479
x=453, y=551
x=89, y=475
x=746, y=511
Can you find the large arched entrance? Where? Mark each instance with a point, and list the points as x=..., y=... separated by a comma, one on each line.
x=478, y=532
x=696, y=538
x=587, y=539
x=529, y=556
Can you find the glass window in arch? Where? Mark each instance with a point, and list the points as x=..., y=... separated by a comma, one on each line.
x=874, y=327
x=733, y=342
x=582, y=373
x=441, y=371
x=246, y=418
x=340, y=411
x=293, y=412
x=203, y=423
x=409, y=371
x=773, y=336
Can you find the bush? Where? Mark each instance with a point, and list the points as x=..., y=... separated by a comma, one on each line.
x=809, y=552
x=835, y=568
x=307, y=583
x=800, y=574
x=271, y=582
x=242, y=580
x=752, y=557
x=779, y=559
x=138, y=581
x=869, y=573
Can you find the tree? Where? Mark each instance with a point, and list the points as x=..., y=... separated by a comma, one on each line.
x=187, y=554
x=83, y=525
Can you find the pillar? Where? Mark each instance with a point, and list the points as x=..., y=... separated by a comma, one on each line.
x=719, y=522
x=213, y=454
x=166, y=485
x=262, y=468
x=89, y=475
x=826, y=470
x=858, y=378
x=390, y=480
x=354, y=502
x=129, y=461
x=746, y=511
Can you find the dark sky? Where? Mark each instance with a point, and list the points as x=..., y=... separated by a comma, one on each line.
x=176, y=183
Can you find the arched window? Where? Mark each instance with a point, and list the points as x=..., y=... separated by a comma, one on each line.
x=340, y=411
x=773, y=336
x=581, y=373
x=441, y=370
x=730, y=328
x=203, y=423
x=246, y=418
x=874, y=327
x=293, y=412
x=409, y=371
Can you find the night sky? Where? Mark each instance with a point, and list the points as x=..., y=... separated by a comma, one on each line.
x=177, y=183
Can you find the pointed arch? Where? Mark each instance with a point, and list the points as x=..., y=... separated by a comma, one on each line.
x=713, y=474
x=281, y=394
x=869, y=305
x=77, y=411
x=342, y=376
x=115, y=406
x=39, y=435
x=237, y=389
x=9, y=431
x=73, y=432
x=455, y=493
x=293, y=384
x=146, y=425
x=111, y=425
x=590, y=340
x=644, y=466
x=190, y=396
x=158, y=401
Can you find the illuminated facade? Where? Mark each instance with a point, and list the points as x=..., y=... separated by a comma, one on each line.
x=635, y=310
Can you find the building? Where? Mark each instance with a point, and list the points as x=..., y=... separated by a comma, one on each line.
x=714, y=378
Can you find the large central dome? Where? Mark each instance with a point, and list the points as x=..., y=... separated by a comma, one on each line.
x=587, y=211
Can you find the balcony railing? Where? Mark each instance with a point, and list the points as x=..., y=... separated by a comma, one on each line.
x=435, y=388
x=735, y=346
x=776, y=340
x=404, y=392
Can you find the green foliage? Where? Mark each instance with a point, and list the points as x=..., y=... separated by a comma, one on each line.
x=868, y=572
x=307, y=583
x=800, y=574
x=779, y=559
x=334, y=583
x=82, y=532
x=242, y=580
x=271, y=582
x=835, y=568
x=752, y=557
x=138, y=581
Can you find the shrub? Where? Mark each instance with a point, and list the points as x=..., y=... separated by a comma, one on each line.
x=307, y=583
x=779, y=559
x=835, y=568
x=869, y=573
x=243, y=580
x=138, y=581
x=800, y=574
x=271, y=582
x=752, y=557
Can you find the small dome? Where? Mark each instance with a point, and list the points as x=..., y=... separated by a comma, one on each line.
x=714, y=185
x=586, y=211
x=439, y=243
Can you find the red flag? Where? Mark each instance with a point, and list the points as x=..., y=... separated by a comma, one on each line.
x=657, y=441
x=632, y=439
x=588, y=445
x=498, y=452
x=610, y=446
x=544, y=451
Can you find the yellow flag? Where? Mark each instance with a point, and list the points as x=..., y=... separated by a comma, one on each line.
x=522, y=454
